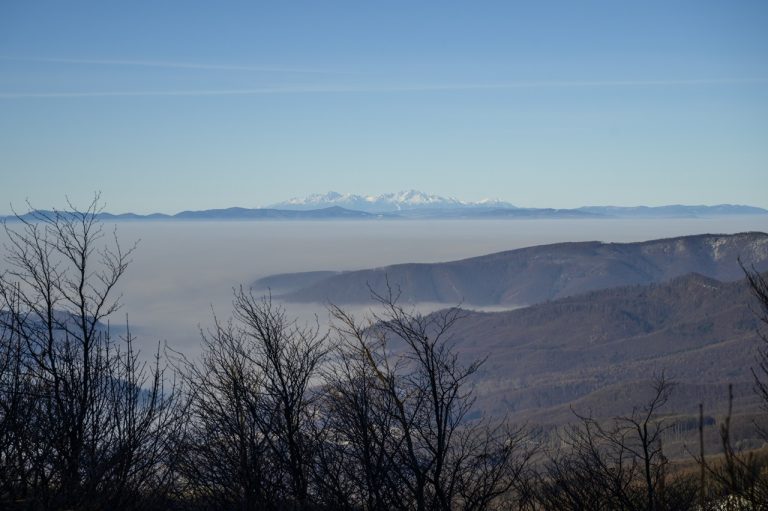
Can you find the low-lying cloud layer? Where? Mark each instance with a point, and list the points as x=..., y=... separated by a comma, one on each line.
x=182, y=273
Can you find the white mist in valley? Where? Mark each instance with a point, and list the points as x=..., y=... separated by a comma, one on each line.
x=183, y=272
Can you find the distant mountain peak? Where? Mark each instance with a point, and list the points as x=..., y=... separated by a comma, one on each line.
x=386, y=202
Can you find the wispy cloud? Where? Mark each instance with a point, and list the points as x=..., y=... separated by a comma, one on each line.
x=169, y=65
x=384, y=89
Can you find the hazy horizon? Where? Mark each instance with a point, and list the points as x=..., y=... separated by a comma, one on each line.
x=14, y=209
x=181, y=271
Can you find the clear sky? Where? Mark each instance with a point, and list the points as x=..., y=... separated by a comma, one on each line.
x=171, y=105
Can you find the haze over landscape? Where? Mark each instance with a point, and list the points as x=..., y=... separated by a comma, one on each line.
x=410, y=256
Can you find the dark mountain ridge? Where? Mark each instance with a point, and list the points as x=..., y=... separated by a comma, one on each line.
x=329, y=213
x=672, y=211
x=536, y=274
x=441, y=210
x=596, y=351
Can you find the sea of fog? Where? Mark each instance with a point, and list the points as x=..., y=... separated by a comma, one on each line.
x=183, y=272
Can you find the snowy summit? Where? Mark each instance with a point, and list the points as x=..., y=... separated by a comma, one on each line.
x=404, y=200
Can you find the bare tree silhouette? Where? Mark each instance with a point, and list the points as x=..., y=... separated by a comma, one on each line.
x=402, y=399
x=89, y=424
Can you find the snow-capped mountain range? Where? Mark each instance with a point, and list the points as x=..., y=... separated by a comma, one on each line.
x=405, y=200
x=413, y=204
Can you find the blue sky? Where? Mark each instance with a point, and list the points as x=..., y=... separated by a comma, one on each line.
x=165, y=106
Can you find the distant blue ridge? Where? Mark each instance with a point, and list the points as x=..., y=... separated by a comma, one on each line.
x=478, y=212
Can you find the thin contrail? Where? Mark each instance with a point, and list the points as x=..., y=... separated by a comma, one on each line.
x=171, y=65
x=388, y=89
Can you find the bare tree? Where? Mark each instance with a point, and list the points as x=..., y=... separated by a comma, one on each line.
x=253, y=437
x=616, y=465
x=406, y=398
x=355, y=468
x=739, y=479
x=736, y=480
x=96, y=433
x=18, y=409
x=587, y=473
x=225, y=463
x=288, y=356
x=642, y=432
x=758, y=283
